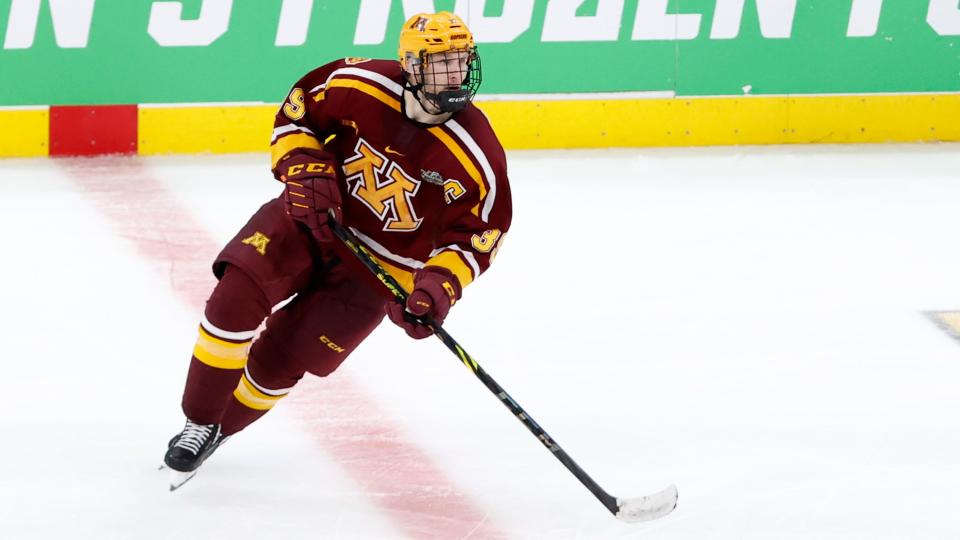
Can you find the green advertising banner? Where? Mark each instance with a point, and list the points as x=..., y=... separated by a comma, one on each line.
x=66, y=52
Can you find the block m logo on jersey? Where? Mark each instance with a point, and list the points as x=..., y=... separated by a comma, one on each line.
x=383, y=187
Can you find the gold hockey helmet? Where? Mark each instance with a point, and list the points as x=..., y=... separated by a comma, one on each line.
x=427, y=34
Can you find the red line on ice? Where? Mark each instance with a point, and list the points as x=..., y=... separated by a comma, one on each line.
x=398, y=476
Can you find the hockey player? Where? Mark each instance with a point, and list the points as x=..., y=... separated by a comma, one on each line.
x=397, y=153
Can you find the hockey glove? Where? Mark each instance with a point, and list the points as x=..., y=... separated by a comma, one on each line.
x=435, y=289
x=311, y=190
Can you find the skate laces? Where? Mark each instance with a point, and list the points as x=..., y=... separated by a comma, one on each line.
x=194, y=436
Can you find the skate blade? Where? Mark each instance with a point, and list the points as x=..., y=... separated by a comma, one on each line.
x=178, y=478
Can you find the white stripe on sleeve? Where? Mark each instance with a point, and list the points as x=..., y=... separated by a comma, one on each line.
x=385, y=253
x=467, y=255
x=224, y=334
x=283, y=130
x=367, y=74
x=484, y=164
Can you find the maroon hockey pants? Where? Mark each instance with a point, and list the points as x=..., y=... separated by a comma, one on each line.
x=233, y=378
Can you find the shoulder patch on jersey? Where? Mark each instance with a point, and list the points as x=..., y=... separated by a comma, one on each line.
x=354, y=60
x=431, y=177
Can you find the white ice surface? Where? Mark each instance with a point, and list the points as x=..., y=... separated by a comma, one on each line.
x=743, y=322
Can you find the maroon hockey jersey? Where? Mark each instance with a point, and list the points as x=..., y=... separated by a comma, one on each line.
x=415, y=195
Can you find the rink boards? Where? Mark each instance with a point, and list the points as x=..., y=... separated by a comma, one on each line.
x=548, y=121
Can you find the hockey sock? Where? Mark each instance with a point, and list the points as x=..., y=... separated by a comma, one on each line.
x=234, y=311
x=249, y=402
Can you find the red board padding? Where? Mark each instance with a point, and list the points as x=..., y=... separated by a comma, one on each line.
x=93, y=130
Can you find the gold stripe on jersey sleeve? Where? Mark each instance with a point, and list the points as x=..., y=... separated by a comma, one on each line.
x=284, y=145
x=461, y=156
x=221, y=354
x=452, y=261
x=403, y=277
x=388, y=100
x=248, y=394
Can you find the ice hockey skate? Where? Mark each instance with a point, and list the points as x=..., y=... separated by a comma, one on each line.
x=189, y=449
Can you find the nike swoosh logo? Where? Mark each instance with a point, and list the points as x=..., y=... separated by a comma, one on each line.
x=392, y=151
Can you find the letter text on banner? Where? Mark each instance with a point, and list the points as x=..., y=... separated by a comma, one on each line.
x=375, y=14
x=776, y=18
x=561, y=22
x=515, y=20
x=864, y=18
x=944, y=17
x=294, y=23
x=168, y=28
x=71, y=23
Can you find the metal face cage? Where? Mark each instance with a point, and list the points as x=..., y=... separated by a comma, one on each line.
x=449, y=80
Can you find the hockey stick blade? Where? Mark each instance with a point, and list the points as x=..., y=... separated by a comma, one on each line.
x=647, y=508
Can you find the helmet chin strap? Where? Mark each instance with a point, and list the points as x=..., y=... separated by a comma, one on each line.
x=448, y=101
x=416, y=110
x=413, y=88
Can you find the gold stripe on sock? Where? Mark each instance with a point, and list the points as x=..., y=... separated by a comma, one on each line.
x=248, y=394
x=218, y=353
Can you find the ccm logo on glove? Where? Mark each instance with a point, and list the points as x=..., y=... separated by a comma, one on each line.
x=311, y=191
x=300, y=168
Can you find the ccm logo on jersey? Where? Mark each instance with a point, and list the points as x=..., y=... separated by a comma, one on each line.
x=329, y=343
x=299, y=168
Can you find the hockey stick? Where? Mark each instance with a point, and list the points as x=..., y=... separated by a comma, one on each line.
x=632, y=510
